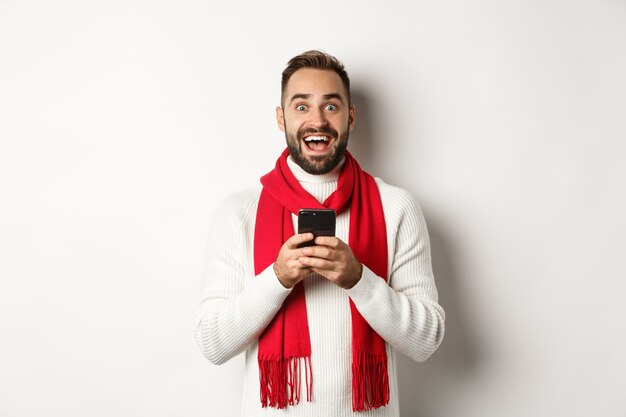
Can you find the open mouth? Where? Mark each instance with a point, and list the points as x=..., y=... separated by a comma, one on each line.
x=317, y=143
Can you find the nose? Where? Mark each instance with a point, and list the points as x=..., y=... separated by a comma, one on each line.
x=318, y=118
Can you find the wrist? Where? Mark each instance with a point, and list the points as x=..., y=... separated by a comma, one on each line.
x=357, y=277
x=283, y=282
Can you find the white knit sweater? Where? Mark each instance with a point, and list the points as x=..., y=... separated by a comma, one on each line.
x=236, y=306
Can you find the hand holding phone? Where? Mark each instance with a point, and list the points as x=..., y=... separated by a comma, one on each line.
x=338, y=265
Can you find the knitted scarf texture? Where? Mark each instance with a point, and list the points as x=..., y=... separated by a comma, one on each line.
x=285, y=346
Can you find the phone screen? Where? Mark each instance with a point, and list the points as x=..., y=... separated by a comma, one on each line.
x=320, y=222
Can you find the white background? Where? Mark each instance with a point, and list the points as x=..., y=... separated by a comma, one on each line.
x=123, y=123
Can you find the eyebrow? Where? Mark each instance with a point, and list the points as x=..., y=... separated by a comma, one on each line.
x=308, y=96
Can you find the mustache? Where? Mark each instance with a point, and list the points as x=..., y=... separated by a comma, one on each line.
x=327, y=130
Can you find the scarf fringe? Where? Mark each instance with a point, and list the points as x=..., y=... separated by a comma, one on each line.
x=370, y=383
x=281, y=380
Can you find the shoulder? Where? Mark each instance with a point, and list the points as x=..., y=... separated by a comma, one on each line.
x=401, y=209
x=395, y=199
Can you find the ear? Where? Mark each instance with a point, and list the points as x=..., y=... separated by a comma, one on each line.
x=351, y=116
x=280, y=118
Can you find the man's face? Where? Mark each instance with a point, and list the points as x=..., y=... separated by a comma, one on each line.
x=316, y=118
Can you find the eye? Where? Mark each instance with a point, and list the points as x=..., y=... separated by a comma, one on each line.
x=300, y=107
x=331, y=107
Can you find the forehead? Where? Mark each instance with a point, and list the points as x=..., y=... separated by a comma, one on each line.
x=316, y=82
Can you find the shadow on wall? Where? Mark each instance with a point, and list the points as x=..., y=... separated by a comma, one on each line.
x=363, y=139
x=423, y=387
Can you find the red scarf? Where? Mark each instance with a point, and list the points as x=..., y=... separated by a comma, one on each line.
x=285, y=346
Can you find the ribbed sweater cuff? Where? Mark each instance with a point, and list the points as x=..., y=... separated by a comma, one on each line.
x=268, y=288
x=368, y=287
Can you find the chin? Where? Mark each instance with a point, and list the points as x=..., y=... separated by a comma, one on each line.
x=319, y=165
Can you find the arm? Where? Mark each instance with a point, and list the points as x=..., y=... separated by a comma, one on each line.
x=235, y=306
x=404, y=311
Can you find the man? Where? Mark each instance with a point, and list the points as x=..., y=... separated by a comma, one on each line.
x=320, y=325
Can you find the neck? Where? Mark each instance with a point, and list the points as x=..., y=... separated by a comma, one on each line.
x=319, y=186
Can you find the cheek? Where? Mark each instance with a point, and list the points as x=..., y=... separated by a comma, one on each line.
x=292, y=127
x=341, y=123
x=291, y=121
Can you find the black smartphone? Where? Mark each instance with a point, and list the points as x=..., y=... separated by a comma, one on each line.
x=320, y=222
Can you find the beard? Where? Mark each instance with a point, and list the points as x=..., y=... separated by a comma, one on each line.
x=317, y=164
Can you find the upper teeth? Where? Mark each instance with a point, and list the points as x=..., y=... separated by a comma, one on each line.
x=316, y=138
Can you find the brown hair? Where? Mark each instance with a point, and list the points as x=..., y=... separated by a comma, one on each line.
x=314, y=59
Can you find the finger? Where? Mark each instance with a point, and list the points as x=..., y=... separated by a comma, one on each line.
x=318, y=252
x=326, y=273
x=295, y=240
x=331, y=241
x=315, y=263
